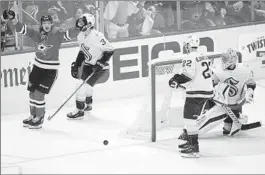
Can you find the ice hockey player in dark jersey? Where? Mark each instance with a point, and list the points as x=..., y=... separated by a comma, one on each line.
x=48, y=40
x=94, y=54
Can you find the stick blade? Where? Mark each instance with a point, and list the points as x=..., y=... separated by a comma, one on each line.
x=251, y=125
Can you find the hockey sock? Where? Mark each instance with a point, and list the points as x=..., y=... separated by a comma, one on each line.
x=32, y=104
x=39, y=103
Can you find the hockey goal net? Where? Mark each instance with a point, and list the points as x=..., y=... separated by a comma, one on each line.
x=162, y=106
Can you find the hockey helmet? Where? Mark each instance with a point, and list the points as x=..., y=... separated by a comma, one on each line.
x=46, y=18
x=192, y=42
x=86, y=21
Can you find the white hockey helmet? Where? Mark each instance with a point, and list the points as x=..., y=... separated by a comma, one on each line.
x=229, y=57
x=86, y=21
x=192, y=42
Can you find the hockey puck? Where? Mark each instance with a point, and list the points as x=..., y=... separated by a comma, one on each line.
x=105, y=142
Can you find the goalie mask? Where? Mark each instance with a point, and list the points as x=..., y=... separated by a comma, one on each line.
x=192, y=42
x=85, y=22
x=229, y=58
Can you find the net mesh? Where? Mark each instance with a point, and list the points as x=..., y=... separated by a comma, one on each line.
x=168, y=105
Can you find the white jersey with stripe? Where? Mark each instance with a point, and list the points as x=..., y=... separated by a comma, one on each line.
x=196, y=66
x=93, y=44
x=239, y=77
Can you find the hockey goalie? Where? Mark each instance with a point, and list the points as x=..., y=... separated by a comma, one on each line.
x=234, y=86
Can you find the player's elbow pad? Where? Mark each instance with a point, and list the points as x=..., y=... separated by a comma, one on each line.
x=106, y=56
x=181, y=78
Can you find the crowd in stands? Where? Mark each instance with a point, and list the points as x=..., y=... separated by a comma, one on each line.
x=124, y=19
x=132, y=18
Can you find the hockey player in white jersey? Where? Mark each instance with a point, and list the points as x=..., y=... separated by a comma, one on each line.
x=235, y=86
x=196, y=75
x=94, y=54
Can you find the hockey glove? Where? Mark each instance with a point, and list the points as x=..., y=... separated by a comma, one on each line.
x=9, y=15
x=173, y=83
x=249, y=95
x=99, y=66
x=74, y=70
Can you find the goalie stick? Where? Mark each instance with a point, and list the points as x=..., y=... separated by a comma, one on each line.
x=51, y=116
x=231, y=114
x=236, y=121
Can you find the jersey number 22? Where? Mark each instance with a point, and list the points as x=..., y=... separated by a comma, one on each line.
x=206, y=73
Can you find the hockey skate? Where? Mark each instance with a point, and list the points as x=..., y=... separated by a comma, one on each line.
x=27, y=121
x=77, y=114
x=191, y=152
x=183, y=135
x=227, y=128
x=36, y=122
x=191, y=148
x=88, y=108
x=183, y=146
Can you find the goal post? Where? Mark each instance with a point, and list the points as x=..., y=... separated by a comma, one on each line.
x=154, y=64
x=162, y=107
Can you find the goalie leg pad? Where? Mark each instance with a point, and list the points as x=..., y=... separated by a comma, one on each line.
x=235, y=130
x=207, y=121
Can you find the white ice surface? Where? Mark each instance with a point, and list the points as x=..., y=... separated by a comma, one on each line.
x=64, y=146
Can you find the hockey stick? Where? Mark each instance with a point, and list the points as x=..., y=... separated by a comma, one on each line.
x=231, y=114
x=30, y=16
x=241, y=126
x=50, y=117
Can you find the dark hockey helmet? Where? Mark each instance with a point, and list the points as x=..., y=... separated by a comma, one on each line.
x=87, y=21
x=46, y=18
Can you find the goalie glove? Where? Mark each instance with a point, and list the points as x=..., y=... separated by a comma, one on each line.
x=249, y=95
x=9, y=15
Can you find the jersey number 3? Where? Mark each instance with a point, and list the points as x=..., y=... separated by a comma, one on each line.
x=206, y=73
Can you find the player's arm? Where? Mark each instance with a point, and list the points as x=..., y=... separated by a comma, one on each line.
x=251, y=86
x=20, y=27
x=108, y=51
x=215, y=78
x=187, y=72
x=68, y=35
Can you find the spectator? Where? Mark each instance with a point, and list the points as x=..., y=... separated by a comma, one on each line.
x=70, y=23
x=7, y=29
x=220, y=12
x=142, y=22
x=196, y=14
x=238, y=12
x=159, y=19
x=259, y=11
x=116, y=14
x=168, y=8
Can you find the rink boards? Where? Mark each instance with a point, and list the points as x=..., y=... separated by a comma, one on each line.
x=128, y=66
